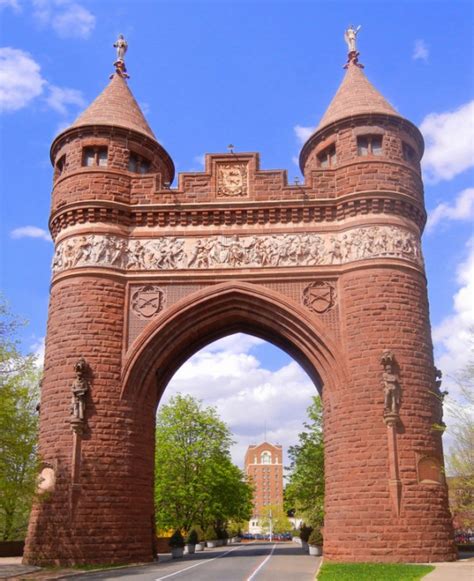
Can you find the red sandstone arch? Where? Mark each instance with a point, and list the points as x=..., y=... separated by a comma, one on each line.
x=220, y=310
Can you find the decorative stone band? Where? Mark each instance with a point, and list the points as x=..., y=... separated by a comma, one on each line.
x=257, y=251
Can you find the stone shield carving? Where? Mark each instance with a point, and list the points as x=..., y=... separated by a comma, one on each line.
x=232, y=180
x=147, y=301
x=319, y=296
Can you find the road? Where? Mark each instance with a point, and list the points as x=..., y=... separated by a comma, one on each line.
x=247, y=562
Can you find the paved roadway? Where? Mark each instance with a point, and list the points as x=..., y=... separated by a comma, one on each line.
x=246, y=562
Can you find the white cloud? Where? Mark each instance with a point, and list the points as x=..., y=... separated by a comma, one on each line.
x=453, y=335
x=420, y=51
x=200, y=159
x=20, y=79
x=67, y=18
x=13, y=4
x=462, y=209
x=59, y=97
x=249, y=398
x=21, y=83
x=30, y=232
x=303, y=133
x=449, y=143
x=38, y=348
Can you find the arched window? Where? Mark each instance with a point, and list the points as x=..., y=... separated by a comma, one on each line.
x=266, y=458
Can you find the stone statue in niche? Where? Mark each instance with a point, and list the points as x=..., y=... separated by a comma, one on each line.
x=235, y=251
x=319, y=296
x=232, y=180
x=391, y=385
x=80, y=387
x=147, y=301
x=439, y=395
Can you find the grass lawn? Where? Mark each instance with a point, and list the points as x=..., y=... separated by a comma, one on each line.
x=372, y=572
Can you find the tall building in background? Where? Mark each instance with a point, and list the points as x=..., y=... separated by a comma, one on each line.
x=263, y=464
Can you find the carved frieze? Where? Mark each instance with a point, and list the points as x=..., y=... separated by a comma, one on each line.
x=146, y=301
x=319, y=296
x=232, y=180
x=259, y=251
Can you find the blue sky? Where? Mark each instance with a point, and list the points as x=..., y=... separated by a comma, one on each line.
x=258, y=74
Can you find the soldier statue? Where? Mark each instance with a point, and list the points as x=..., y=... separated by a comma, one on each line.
x=80, y=387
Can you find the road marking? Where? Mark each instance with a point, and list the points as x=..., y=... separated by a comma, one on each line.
x=252, y=576
x=203, y=562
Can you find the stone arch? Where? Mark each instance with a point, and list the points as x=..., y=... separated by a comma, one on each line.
x=220, y=310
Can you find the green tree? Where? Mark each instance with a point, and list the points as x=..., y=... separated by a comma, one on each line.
x=304, y=492
x=275, y=513
x=195, y=480
x=19, y=379
x=460, y=459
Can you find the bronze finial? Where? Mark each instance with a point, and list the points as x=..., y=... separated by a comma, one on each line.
x=122, y=46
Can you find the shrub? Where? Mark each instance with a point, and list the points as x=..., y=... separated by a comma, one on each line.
x=176, y=539
x=315, y=538
x=210, y=533
x=305, y=532
x=192, y=537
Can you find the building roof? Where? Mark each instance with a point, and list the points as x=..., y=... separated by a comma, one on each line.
x=115, y=106
x=355, y=96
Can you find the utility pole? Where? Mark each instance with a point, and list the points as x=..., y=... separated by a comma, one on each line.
x=270, y=518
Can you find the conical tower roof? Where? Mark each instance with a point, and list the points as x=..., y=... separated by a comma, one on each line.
x=355, y=96
x=115, y=106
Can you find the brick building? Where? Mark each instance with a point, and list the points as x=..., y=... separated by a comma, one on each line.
x=330, y=270
x=263, y=464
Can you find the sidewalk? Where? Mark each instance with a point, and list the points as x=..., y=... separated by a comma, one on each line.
x=462, y=570
x=11, y=569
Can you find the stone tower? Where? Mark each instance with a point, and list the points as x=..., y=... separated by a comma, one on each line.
x=331, y=271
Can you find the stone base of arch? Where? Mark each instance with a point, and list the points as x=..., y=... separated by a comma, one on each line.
x=106, y=515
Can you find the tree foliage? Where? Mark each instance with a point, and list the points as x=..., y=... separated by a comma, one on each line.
x=460, y=459
x=304, y=492
x=19, y=379
x=195, y=480
x=278, y=517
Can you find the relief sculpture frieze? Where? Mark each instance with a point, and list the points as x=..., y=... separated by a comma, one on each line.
x=259, y=251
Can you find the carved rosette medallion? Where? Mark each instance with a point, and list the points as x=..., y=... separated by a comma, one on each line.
x=147, y=301
x=319, y=296
x=232, y=180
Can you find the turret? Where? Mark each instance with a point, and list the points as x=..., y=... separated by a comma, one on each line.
x=112, y=145
x=362, y=143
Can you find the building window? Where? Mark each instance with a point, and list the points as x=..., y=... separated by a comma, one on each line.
x=60, y=165
x=266, y=458
x=408, y=153
x=369, y=145
x=327, y=157
x=138, y=164
x=94, y=156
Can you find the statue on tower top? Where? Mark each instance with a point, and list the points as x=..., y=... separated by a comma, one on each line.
x=350, y=36
x=122, y=46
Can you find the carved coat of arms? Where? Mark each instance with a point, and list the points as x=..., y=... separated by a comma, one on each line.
x=147, y=301
x=319, y=296
x=232, y=180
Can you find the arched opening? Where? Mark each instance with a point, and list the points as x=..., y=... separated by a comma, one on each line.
x=222, y=310
x=212, y=314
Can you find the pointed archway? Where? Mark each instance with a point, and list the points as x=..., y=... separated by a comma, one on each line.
x=220, y=310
